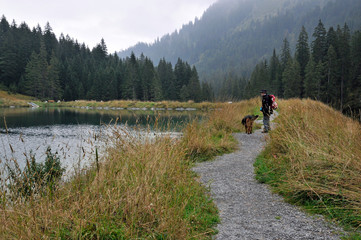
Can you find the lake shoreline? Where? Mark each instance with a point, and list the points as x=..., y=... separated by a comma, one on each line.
x=15, y=100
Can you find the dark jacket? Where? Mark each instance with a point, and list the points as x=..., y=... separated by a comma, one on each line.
x=266, y=105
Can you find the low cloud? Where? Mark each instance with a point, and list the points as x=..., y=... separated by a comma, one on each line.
x=121, y=23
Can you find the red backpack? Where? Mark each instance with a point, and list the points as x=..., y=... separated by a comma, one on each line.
x=274, y=103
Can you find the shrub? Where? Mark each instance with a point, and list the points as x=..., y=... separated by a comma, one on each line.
x=36, y=176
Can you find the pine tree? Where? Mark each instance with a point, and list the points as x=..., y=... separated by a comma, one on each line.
x=43, y=68
x=332, y=39
x=180, y=78
x=344, y=52
x=275, y=75
x=8, y=55
x=354, y=86
x=292, y=79
x=312, y=80
x=54, y=90
x=285, y=53
x=194, y=87
x=332, y=77
x=319, y=44
x=184, y=94
x=156, y=88
x=302, y=53
x=32, y=76
x=207, y=92
x=166, y=77
x=50, y=40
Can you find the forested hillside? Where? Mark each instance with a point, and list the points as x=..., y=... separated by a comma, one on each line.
x=232, y=36
x=36, y=63
x=328, y=69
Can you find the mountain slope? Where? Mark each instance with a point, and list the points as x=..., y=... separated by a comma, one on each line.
x=233, y=35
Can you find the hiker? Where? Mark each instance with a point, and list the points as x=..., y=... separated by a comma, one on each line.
x=266, y=109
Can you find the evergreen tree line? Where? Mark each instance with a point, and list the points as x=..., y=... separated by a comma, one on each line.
x=328, y=69
x=36, y=63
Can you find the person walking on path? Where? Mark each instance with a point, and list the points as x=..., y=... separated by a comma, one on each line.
x=266, y=109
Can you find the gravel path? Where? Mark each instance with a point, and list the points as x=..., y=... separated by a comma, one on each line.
x=248, y=209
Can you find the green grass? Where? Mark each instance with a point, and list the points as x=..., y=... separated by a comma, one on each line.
x=256, y=111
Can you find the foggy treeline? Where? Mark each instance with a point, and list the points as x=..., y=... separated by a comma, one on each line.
x=36, y=63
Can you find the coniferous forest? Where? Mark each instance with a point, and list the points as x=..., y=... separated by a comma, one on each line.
x=327, y=69
x=325, y=66
x=34, y=62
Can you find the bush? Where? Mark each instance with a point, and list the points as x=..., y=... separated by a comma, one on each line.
x=36, y=177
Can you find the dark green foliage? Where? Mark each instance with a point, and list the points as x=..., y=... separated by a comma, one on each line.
x=319, y=44
x=285, y=53
x=329, y=73
x=36, y=178
x=302, y=54
x=38, y=64
x=312, y=80
x=292, y=80
x=353, y=94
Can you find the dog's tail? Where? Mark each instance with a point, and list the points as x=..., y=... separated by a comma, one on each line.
x=244, y=120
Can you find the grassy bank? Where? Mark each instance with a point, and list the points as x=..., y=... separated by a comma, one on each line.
x=135, y=104
x=19, y=100
x=142, y=189
x=313, y=159
x=16, y=100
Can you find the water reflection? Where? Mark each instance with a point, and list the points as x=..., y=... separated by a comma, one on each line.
x=74, y=133
x=27, y=117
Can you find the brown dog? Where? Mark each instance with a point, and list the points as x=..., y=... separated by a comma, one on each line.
x=247, y=121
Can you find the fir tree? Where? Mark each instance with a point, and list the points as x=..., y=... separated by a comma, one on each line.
x=285, y=53
x=312, y=80
x=319, y=44
x=54, y=90
x=345, y=61
x=275, y=75
x=332, y=92
x=194, y=86
x=302, y=53
x=292, y=79
x=207, y=92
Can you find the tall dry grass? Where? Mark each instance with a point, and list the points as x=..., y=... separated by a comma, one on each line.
x=213, y=136
x=143, y=188
x=314, y=159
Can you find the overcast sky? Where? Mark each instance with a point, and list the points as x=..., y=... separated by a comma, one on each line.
x=121, y=23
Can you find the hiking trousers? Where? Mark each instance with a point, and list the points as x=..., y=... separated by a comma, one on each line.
x=266, y=123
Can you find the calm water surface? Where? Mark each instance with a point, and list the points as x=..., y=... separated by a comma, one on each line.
x=75, y=133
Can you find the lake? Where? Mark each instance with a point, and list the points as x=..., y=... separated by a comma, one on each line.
x=74, y=133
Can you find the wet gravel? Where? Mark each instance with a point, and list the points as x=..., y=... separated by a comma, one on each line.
x=248, y=209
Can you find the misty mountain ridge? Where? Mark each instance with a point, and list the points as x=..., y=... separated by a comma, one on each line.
x=234, y=35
